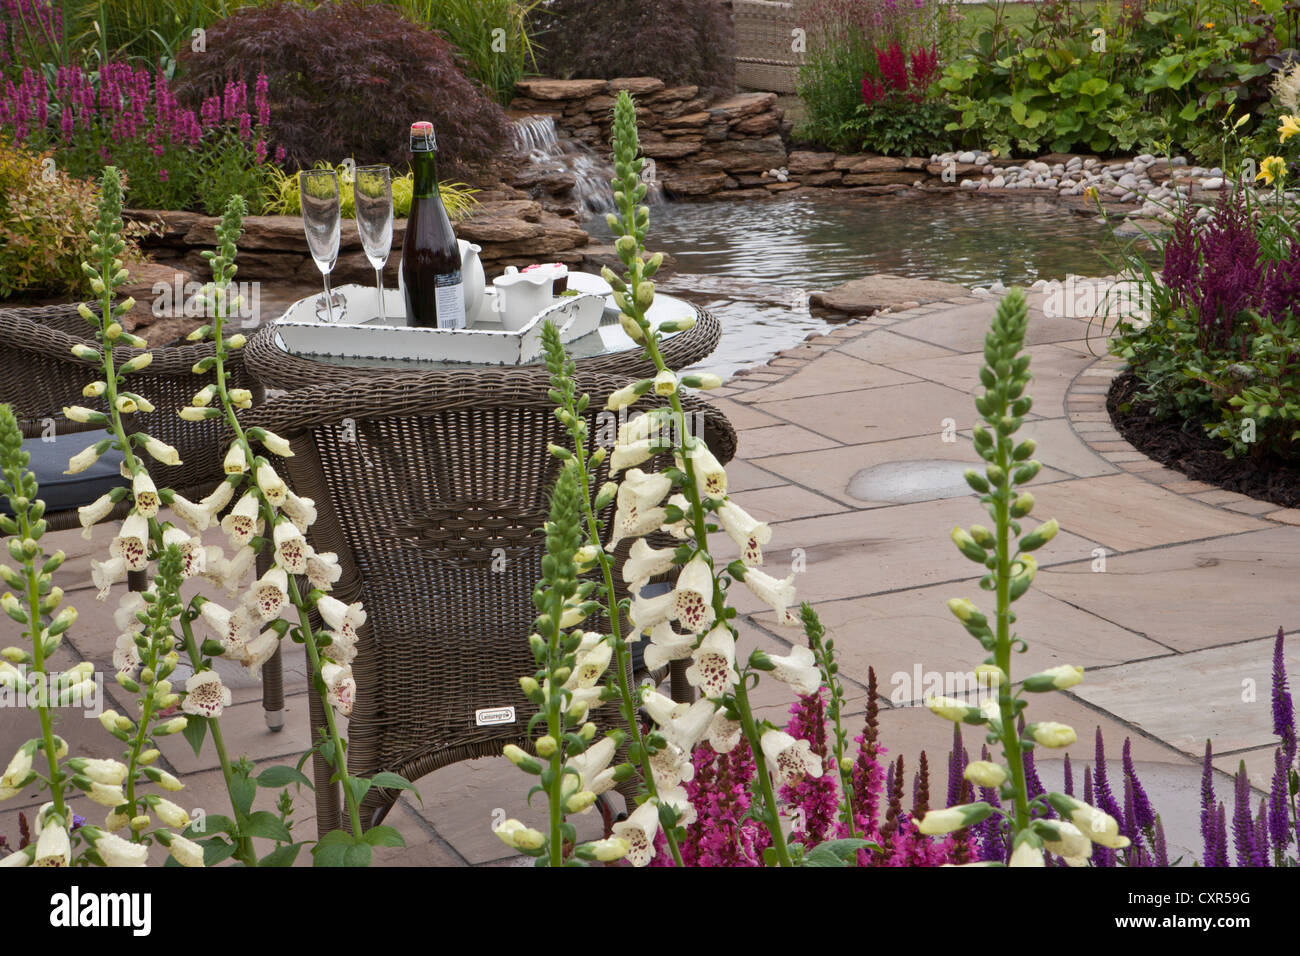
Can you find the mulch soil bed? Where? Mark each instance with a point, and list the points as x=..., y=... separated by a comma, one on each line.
x=1184, y=446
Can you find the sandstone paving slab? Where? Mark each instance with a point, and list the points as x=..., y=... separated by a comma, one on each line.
x=887, y=347
x=885, y=549
x=244, y=728
x=832, y=372
x=1124, y=513
x=830, y=471
x=778, y=439
x=1220, y=694
x=1190, y=596
x=915, y=644
x=783, y=503
x=740, y=414
x=963, y=327
x=1259, y=770
x=1061, y=448
x=909, y=730
x=461, y=803
x=1053, y=369
x=744, y=476
x=920, y=408
x=836, y=471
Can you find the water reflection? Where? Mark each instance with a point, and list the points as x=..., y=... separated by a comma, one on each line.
x=813, y=244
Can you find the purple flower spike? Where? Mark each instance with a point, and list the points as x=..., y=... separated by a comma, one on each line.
x=1221, y=837
x=1279, y=816
x=1209, y=828
x=1243, y=826
x=1158, y=845
x=1143, y=814
x=1283, y=706
x=1069, y=777
x=1259, y=854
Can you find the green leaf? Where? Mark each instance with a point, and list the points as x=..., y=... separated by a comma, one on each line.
x=212, y=823
x=359, y=787
x=217, y=850
x=281, y=856
x=242, y=792
x=331, y=849
x=268, y=826
x=394, y=781
x=275, y=778
x=836, y=852
x=383, y=835
x=357, y=855
x=196, y=728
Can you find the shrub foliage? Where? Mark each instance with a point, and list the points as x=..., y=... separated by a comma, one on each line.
x=347, y=79
x=679, y=41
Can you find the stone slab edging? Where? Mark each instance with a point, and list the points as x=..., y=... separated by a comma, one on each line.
x=1085, y=409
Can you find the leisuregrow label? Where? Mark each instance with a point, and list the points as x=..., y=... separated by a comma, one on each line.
x=490, y=716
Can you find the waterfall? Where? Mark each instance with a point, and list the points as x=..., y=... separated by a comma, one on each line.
x=536, y=138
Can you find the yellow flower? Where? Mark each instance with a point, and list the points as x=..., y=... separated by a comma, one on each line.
x=1209, y=25
x=1290, y=126
x=1273, y=167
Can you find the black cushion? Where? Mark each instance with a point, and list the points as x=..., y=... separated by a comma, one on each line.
x=49, y=461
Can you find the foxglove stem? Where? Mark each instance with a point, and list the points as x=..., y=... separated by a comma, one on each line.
x=1002, y=651
x=626, y=145
x=622, y=657
x=222, y=269
x=244, y=853
x=33, y=595
x=816, y=637
x=109, y=224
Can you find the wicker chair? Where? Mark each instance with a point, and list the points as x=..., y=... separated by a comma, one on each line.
x=423, y=484
x=39, y=375
x=765, y=59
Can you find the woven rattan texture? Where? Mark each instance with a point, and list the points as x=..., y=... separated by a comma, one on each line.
x=432, y=489
x=39, y=375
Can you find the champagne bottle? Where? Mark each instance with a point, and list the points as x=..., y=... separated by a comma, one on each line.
x=432, y=285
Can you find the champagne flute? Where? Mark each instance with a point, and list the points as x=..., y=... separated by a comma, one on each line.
x=319, y=193
x=373, y=192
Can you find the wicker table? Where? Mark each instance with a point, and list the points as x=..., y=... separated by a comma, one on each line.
x=609, y=350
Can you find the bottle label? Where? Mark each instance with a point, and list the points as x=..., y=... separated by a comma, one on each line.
x=450, y=298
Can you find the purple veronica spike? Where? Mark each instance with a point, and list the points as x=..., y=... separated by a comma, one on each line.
x=1279, y=817
x=1209, y=829
x=1283, y=707
x=1221, y=837
x=1159, y=846
x=1243, y=827
x=1259, y=856
x=1101, y=856
x=1069, y=777
x=1143, y=814
x=1106, y=801
x=1130, y=820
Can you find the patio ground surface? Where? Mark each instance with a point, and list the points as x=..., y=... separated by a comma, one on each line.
x=1167, y=591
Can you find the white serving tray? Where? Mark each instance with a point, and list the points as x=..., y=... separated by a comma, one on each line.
x=359, y=335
